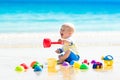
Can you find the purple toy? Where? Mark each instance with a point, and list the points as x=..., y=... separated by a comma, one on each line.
x=65, y=64
x=93, y=62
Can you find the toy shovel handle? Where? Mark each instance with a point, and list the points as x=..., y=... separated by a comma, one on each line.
x=56, y=42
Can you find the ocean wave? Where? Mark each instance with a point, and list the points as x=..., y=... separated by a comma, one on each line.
x=52, y=22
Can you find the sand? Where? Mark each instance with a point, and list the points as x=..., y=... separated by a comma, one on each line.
x=25, y=48
x=81, y=38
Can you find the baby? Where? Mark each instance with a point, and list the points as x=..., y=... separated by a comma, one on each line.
x=69, y=48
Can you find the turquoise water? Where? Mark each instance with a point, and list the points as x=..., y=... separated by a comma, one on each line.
x=49, y=16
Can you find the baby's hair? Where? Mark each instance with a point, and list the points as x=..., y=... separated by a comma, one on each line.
x=69, y=25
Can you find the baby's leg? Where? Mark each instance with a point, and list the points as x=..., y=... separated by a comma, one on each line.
x=72, y=57
x=62, y=58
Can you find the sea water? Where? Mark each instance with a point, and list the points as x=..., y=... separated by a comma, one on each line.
x=49, y=16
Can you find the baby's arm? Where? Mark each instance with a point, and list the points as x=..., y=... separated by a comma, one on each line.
x=66, y=42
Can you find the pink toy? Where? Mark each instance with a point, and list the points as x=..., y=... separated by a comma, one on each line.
x=85, y=62
x=24, y=65
x=47, y=43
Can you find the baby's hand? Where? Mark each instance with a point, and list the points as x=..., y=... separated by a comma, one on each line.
x=57, y=51
x=59, y=40
x=65, y=42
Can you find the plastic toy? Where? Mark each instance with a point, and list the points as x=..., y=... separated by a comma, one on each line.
x=108, y=60
x=35, y=63
x=85, y=62
x=96, y=65
x=93, y=61
x=19, y=68
x=24, y=65
x=76, y=65
x=52, y=62
x=108, y=57
x=47, y=43
x=83, y=66
x=37, y=68
x=65, y=64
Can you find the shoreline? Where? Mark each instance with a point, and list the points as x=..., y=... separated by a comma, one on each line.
x=29, y=40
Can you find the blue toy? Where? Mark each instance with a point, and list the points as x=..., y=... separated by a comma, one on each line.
x=108, y=57
x=37, y=68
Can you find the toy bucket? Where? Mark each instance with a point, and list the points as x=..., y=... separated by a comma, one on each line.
x=52, y=62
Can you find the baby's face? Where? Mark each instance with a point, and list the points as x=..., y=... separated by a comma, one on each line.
x=65, y=32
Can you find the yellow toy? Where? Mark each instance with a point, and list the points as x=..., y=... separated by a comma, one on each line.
x=76, y=65
x=108, y=61
x=52, y=62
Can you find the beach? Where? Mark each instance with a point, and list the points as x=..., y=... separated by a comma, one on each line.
x=25, y=23
x=17, y=48
x=33, y=40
